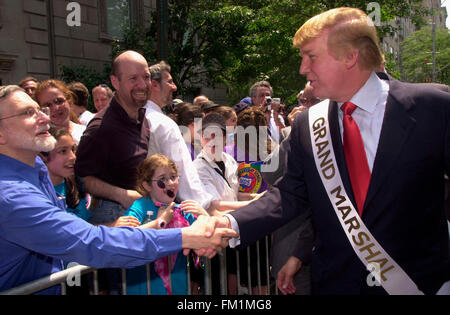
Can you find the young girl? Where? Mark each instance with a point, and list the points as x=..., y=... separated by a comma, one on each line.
x=158, y=183
x=60, y=163
x=69, y=188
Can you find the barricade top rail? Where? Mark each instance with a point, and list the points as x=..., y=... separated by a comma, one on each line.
x=47, y=281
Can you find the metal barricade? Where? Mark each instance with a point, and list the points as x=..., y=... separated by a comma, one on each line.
x=65, y=277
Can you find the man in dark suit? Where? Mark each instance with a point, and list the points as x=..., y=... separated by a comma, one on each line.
x=292, y=243
x=387, y=216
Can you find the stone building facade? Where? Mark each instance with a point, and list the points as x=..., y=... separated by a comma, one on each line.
x=38, y=36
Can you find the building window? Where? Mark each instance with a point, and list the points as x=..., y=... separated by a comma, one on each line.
x=115, y=15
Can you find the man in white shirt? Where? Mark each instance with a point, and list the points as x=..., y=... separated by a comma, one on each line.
x=166, y=138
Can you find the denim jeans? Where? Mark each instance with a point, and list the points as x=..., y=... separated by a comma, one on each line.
x=106, y=211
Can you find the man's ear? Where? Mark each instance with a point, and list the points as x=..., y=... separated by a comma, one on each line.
x=155, y=85
x=2, y=136
x=351, y=58
x=115, y=81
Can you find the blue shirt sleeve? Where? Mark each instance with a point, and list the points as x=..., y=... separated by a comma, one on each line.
x=30, y=219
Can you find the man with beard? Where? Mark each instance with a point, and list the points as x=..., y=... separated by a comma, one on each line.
x=37, y=235
x=116, y=141
x=166, y=138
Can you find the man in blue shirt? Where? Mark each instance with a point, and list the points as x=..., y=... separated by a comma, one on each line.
x=37, y=235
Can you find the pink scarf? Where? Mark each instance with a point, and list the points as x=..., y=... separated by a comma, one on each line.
x=162, y=264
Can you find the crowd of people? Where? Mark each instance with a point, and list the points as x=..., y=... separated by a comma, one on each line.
x=148, y=178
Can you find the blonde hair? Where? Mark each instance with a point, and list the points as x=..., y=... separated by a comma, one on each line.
x=99, y=87
x=147, y=168
x=348, y=28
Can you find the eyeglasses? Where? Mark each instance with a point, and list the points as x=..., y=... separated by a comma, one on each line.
x=31, y=112
x=57, y=101
x=161, y=183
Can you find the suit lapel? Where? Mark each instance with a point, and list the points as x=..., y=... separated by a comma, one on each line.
x=397, y=125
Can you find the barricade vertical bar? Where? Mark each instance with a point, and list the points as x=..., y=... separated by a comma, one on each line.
x=147, y=271
x=267, y=264
x=95, y=280
x=188, y=270
x=249, y=276
x=238, y=273
x=63, y=288
x=258, y=267
x=208, y=286
x=124, y=281
x=169, y=266
x=223, y=273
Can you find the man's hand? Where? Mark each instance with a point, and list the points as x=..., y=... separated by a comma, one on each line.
x=294, y=112
x=285, y=279
x=101, y=189
x=207, y=235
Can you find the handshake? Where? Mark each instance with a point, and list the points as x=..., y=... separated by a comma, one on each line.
x=207, y=236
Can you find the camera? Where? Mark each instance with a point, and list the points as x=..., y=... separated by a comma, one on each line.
x=270, y=101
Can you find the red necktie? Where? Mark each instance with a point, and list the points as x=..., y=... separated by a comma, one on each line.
x=355, y=156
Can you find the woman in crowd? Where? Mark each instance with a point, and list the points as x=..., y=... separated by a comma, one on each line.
x=102, y=95
x=55, y=95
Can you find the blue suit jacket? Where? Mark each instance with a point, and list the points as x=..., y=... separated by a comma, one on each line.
x=404, y=207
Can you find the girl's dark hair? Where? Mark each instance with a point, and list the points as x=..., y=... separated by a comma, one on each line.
x=253, y=116
x=185, y=113
x=74, y=187
x=225, y=111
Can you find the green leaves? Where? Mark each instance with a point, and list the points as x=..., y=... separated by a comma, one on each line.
x=417, y=56
x=238, y=42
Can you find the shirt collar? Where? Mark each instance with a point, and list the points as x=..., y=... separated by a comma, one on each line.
x=123, y=115
x=367, y=96
x=207, y=158
x=153, y=106
x=11, y=166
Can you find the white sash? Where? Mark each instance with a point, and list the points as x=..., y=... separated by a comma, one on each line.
x=384, y=270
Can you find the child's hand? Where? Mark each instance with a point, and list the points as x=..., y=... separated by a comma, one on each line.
x=126, y=221
x=192, y=206
x=166, y=213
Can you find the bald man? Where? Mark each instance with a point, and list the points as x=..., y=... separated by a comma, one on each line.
x=116, y=141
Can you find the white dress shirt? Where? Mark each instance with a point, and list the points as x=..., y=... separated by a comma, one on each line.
x=371, y=104
x=369, y=113
x=166, y=139
x=86, y=117
x=77, y=132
